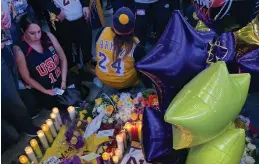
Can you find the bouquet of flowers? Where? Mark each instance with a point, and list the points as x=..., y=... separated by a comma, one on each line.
x=106, y=105
x=251, y=152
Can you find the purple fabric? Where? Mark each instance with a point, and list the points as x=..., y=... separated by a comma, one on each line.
x=179, y=55
x=80, y=143
x=249, y=63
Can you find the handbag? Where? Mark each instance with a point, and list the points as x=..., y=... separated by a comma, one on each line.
x=73, y=96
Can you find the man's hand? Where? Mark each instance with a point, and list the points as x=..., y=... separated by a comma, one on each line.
x=87, y=12
x=61, y=16
x=6, y=21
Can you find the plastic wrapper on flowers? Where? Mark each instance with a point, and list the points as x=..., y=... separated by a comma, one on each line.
x=227, y=148
x=211, y=96
x=157, y=139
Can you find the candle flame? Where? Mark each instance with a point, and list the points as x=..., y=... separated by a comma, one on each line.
x=33, y=142
x=105, y=156
x=23, y=159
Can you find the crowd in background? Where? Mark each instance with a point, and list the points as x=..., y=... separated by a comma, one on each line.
x=37, y=61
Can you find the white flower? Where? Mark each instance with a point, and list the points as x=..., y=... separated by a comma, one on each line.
x=139, y=95
x=110, y=120
x=248, y=139
x=251, y=146
x=249, y=160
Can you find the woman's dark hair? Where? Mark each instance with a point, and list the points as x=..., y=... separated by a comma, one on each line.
x=29, y=19
x=119, y=41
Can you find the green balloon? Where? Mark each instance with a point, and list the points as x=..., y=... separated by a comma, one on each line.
x=207, y=105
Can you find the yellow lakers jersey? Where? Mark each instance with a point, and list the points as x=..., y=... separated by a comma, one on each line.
x=117, y=74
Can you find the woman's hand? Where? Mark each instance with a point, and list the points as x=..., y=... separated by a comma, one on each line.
x=63, y=85
x=49, y=92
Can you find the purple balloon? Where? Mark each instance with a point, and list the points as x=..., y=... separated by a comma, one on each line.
x=179, y=55
x=249, y=63
x=157, y=142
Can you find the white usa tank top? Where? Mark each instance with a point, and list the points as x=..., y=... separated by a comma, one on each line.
x=72, y=8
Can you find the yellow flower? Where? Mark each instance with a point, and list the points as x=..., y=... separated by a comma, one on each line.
x=79, y=123
x=73, y=140
x=76, y=133
x=84, y=111
x=140, y=117
x=134, y=116
x=115, y=98
x=81, y=116
x=89, y=120
x=120, y=103
x=98, y=101
x=129, y=99
x=109, y=109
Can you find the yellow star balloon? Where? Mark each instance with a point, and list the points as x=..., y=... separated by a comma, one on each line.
x=207, y=105
x=227, y=148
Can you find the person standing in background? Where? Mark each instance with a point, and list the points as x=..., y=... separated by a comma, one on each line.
x=71, y=22
x=13, y=108
x=152, y=12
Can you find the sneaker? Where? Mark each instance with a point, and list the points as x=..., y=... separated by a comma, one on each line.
x=32, y=132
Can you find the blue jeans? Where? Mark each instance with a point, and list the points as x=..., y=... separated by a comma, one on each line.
x=13, y=108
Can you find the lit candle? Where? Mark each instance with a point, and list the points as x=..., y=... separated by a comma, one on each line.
x=28, y=150
x=53, y=116
x=72, y=112
x=139, y=127
x=115, y=159
x=23, y=159
x=134, y=132
x=124, y=136
x=35, y=146
x=128, y=127
x=49, y=122
x=120, y=142
x=56, y=111
x=106, y=158
x=118, y=153
x=43, y=139
x=47, y=132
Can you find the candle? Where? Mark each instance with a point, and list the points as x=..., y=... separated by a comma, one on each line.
x=47, y=132
x=139, y=127
x=120, y=142
x=128, y=127
x=72, y=112
x=43, y=139
x=115, y=159
x=56, y=122
x=106, y=158
x=118, y=153
x=28, y=150
x=56, y=111
x=124, y=136
x=134, y=132
x=35, y=146
x=23, y=159
x=51, y=127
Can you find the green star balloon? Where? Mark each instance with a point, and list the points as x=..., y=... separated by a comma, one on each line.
x=207, y=105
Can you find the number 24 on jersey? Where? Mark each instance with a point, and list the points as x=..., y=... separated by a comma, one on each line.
x=117, y=66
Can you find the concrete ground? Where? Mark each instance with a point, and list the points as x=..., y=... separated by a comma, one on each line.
x=11, y=155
